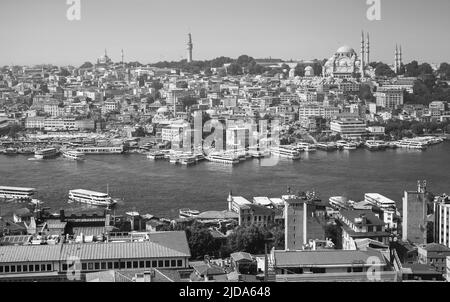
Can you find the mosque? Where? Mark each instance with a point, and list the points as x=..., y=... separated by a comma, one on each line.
x=345, y=63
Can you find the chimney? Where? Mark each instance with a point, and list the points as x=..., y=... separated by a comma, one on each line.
x=61, y=215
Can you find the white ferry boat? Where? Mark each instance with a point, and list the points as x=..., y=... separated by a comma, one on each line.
x=307, y=147
x=286, y=152
x=223, y=159
x=374, y=145
x=73, y=155
x=100, y=150
x=412, y=144
x=156, y=155
x=326, y=146
x=340, y=202
x=91, y=197
x=188, y=160
x=46, y=153
x=346, y=145
x=17, y=193
x=188, y=213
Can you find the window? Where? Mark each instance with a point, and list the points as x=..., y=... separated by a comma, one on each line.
x=116, y=264
x=110, y=265
x=31, y=268
x=154, y=263
x=160, y=263
x=97, y=265
x=167, y=263
x=1, y=269
x=36, y=268
x=19, y=268
x=25, y=268
x=103, y=265
x=357, y=269
x=13, y=268
x=147, y=264
x=42, y=267
x=141, y=264
x=64, y=267
x=49, y=267
x=173, y=263
x=179, y=262
x=83, y=266
x=90, y=266
x=6, y=269
x=129, y=264
x=135, y=264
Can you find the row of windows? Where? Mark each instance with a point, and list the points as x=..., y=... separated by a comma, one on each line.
x=89, y=266
x=10, y=269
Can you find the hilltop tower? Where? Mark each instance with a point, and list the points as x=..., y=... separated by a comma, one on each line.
x=190, y=46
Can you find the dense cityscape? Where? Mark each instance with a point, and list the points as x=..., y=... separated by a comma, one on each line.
x=225, y=112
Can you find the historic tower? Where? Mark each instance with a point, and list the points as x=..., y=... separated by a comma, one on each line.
x=367, y=50
x=398, y=59
x=189, y=49
x=362, y=66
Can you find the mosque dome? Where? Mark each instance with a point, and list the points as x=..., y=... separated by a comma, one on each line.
x=162, y=110
x=345, y=49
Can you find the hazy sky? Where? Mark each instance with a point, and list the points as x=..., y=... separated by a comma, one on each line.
x=37, y=31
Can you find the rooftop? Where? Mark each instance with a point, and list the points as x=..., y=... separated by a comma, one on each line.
x=324, y=258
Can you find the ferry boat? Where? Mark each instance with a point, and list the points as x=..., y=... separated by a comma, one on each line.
x=91, y=197
x=156, y=155
x=374, y=145
x=307, y=147
x=286, y=152
x=188, y=213
x=346, y=145
x=17, y=193
x=340, y=202
x=73, y=155
x=412, y=144
x=46, y=153
x=223, y=159
x=101, y=150
x=188, y=160
x=326, y=146
x=174, y=160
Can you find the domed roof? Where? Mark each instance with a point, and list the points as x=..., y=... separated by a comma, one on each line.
x=345, y=49
x=162, y=110
x=309, y=68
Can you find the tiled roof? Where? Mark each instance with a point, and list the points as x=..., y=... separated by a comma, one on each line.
x=34, y=253
x=161, y=245
x=324, y=258
x=241, y=256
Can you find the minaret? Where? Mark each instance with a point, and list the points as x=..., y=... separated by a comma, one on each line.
x=396, y=67
x=189, y=49
x=122, y=57
x=368, y=50
x=400, y=60
x=362, y=66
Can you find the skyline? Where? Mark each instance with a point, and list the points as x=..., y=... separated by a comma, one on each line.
x=149, y=31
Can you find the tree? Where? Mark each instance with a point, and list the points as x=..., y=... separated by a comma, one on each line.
x=250, y=239
x=299, y=71
x=383, y=70
x=200, y=241
x=412, y=69
x=234, y=69
x=425, y=68
x=444, y=71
